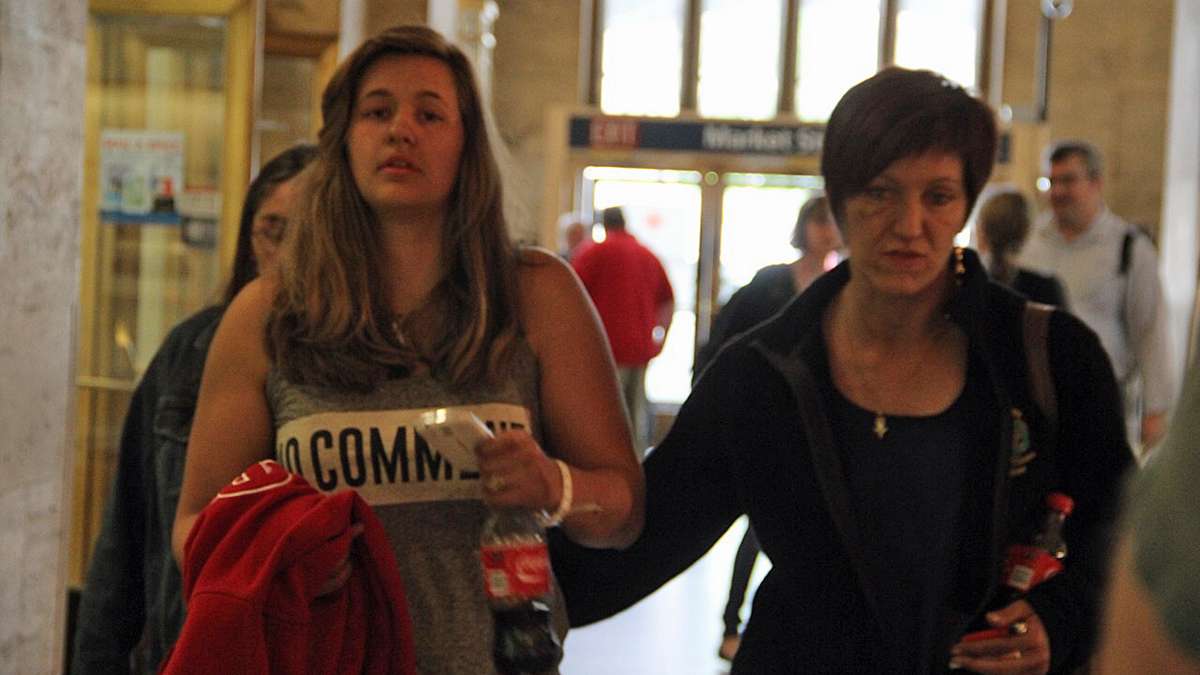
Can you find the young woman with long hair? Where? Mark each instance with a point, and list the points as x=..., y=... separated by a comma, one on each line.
x=400, y=291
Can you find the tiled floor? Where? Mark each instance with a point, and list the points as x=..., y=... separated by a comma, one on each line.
x=675, y=631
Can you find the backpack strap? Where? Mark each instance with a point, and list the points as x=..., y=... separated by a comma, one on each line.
x=1041, y=380
x=1127, y=243
x=1126, y=252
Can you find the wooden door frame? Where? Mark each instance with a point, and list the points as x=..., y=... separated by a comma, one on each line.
x=244, y=24
x=243, y=21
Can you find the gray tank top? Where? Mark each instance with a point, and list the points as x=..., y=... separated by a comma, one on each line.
x=429, y=504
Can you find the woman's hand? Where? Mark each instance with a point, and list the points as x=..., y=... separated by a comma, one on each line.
x=516, y=473
x=582, y=416
x=1025, y=651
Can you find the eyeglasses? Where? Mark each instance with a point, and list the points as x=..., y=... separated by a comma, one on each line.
x=270, y=228
x=1065, y=180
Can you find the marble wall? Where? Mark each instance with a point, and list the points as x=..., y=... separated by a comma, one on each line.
x=1110, y=70
x=41, y=168
x=1179, y=236
x=536, y=67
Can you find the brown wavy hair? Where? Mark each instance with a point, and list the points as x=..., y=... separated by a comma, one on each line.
x=330, y=324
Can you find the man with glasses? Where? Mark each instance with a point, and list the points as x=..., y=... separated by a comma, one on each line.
x=1111, y=273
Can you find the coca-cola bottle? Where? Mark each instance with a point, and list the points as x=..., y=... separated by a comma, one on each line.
x=1028, y=565
x=516, y=574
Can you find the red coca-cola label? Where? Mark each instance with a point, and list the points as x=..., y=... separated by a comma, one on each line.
x=1027, y=566
x=516, y=570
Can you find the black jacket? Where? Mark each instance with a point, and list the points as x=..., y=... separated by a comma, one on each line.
x=754, y=438
x=767, y=293
x=133, y=590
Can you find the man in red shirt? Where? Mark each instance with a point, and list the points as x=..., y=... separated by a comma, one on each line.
x=634, y=299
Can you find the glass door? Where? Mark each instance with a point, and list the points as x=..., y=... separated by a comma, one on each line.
x=712, y=232
x=662, y=210
x=758, y=214
x=297, y=68
x=167, y=136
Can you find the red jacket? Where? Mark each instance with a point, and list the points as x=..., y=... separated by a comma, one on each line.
x=252, y=565
x=628, y=285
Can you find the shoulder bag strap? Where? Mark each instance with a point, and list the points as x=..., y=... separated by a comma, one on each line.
x=1036, y=331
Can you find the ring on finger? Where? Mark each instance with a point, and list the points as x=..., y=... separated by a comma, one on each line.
x=1018, y=628
x=495, y=484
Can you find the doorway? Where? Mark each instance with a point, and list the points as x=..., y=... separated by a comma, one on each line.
x=712, y=231
x=662, y=210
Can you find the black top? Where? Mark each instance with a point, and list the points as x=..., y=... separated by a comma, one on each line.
x=908, y=491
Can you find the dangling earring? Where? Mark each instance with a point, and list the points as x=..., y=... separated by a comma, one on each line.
x=960, y=269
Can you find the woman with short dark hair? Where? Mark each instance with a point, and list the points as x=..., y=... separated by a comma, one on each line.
x=881, y=433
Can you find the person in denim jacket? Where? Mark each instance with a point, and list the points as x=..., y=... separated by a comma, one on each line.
x=131, y=609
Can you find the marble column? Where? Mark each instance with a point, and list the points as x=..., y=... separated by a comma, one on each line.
x=1179, y=234
x=42, y=80
x=469, y=24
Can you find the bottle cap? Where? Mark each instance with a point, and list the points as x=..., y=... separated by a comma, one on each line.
x=1060, y=502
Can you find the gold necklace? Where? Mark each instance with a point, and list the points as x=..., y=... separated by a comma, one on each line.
x=879, y=425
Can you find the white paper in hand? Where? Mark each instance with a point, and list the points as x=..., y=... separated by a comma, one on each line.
x=453, y=433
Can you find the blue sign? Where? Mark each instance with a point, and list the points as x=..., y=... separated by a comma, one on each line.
x=608, y=133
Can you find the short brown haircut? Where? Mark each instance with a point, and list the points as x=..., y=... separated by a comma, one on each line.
x=901, y=113
x=613, y=218
x=1088, y=153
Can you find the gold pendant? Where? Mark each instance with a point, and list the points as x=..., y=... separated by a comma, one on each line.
x=880, y=425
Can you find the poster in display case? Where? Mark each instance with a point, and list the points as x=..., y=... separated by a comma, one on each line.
x=140, y=174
